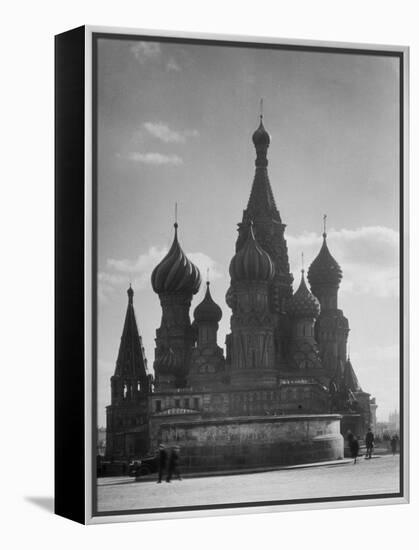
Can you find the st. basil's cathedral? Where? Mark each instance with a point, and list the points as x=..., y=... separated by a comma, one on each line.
x=284, y=391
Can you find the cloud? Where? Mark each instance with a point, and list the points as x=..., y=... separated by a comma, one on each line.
x=153, y=159
x=144, y=51
x=161, y=131
x=106, y=283
x=172, y=65
x=152, y=51
x=121, y=271
x=368, y=256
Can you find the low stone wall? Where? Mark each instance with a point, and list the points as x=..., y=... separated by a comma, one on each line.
x=234, y=443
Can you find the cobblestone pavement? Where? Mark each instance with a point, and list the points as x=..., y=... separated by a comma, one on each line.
x=376, y=476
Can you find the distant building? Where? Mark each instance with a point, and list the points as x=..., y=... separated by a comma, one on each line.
x=285, y=387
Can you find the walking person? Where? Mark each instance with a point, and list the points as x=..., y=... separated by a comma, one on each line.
x=162, y=461
x=173, y=469
x=393, y=443
x=369, y=442
x=354, y=447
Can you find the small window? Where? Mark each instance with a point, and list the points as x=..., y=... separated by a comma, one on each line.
x=158, y=405
x=177, y=403
x=186, y=403
x=196, y=402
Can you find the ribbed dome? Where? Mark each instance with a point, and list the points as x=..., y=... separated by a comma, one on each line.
x=208, y=311
x=175, y=273
x=324, y=270
x=260, y=137
x=251, y=262
x=168, y=361
x=303, y=303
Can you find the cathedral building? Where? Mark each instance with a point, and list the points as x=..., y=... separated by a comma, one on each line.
x=285, y=391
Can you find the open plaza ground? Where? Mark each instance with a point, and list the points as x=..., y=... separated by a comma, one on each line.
x=368, y=477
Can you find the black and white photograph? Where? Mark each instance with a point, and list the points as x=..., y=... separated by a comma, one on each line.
x=248, y=273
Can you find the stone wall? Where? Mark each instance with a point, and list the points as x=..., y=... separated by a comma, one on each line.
x=234, y=443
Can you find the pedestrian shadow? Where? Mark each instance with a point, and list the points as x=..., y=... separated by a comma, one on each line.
x=46, y=503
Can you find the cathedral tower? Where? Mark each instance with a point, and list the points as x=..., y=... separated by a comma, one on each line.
x=127, y=416
x=207, y=360
x=332, y=326
x=303, y=309
x=252, y=324
x=269, y=232
x=175, y=279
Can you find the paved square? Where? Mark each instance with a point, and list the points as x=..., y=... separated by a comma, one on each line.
x=376, y=476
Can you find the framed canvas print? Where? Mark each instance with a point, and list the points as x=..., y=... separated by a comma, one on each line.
x=231, y=274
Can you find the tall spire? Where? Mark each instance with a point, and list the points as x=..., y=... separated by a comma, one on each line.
x=261, y=201
x=131, y=359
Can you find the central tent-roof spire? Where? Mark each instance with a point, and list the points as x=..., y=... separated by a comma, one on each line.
x=261, y=201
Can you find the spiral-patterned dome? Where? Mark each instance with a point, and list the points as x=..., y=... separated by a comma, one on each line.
x=260, y=137
x=175, y=273
x=251, y=262
x=303, y=304
x=208, y=311
x=168, y=361
x=324, y=270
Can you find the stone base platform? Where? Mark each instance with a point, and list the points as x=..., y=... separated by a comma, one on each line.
x=254, y=442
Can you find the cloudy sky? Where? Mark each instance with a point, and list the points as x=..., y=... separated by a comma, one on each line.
x=175, y=125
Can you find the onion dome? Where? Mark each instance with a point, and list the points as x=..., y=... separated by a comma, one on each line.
x=175, y=273
x=251, y=262
x=208, y=311
x=168, y=361
x=303, y=304
x=324, y=270
x=260, y=137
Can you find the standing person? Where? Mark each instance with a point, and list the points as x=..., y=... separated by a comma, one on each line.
x=393, y=443
x=174, y=465
x=369, y=442
x=354, y=447
x=162, y=461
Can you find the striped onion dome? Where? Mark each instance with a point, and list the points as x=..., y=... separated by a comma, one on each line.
x=251, y=262
x=324, y=270
x=208, y=311
x=303, y=304
x=168, y=361
x=175, y=273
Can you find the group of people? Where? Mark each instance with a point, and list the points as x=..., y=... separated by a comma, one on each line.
x=168, y=463
x=353, y=442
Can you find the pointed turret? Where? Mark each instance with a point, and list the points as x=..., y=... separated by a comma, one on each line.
x=131, y=376
x=261, y=204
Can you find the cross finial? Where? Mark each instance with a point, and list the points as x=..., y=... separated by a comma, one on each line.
x=207, y=276
x=302, y=262
x=176, y=224
x=261, y=108
x=324, y=225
